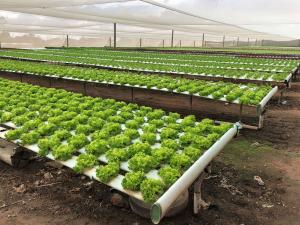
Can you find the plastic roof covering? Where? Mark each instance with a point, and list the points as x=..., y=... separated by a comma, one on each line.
x=135, y=18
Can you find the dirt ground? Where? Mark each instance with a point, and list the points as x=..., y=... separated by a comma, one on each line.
x=41, y=194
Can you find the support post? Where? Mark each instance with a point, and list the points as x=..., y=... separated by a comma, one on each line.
x=224, y=41
x=14, y=155
x=248, y=41
x=194, y=44
x=238, y=41
x=180, y=43
x=203, y=40
x=67, y=41
x=172, y=39
x=199, y=203
x=140, y=42
x=115, y=35
x=163, y=43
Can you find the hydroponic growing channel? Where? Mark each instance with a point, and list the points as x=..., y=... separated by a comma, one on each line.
x=238, y=101
x=159, y=153
x=214, y=68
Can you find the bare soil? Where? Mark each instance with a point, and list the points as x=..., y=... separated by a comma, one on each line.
x=41, y=194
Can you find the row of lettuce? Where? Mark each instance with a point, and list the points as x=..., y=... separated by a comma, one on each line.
x=249, y=94
x=65, y=124
x=276, y=51
x=154, y=59
x=236, y=71
x=181, y=57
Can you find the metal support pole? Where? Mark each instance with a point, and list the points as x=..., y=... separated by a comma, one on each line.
x=248, y=41
x=172, y=39
x=203, y=40
x=223, y=41
x=115, y=35
x=67, y=41
x=180, y=43
x=163, y=43
x=238, y=41
x=140, y=42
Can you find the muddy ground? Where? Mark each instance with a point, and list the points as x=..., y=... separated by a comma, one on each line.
x=40, y=194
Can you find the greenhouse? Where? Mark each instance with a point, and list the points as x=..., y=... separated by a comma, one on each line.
x=149, y=112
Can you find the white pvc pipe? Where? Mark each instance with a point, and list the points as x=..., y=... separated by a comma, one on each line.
x=289, y=77
x=266, y=99
x=6, y=156
x=160, y=207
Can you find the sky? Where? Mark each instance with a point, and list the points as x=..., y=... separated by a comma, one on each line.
x=280, y=17
x=273, y=16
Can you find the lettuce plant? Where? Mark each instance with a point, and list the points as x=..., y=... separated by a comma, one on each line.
x=138, y=147
x=152, y=189
x=163, y=154
x=170, y=143
x=47, y=144
x=119, y=141
x=131, y=133
x=116, y=155
x=192, y=152
x=108, y=172
x=97, y=147
x=142, y=162
x=149, y=138
x=30, y=138
x=12, y=135
x=168, y=133
x=180, y=161
x=169, y=175
x=85, y=161
x=62, y=134
x=78, y=141
x=132, y=180
x=63, y=152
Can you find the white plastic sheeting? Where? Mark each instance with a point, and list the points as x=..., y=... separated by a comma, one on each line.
x=151, y=20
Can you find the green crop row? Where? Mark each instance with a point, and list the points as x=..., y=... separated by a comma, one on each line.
x=212, y=69
x=63, y=124
x=249, y=94
x=152, y=58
